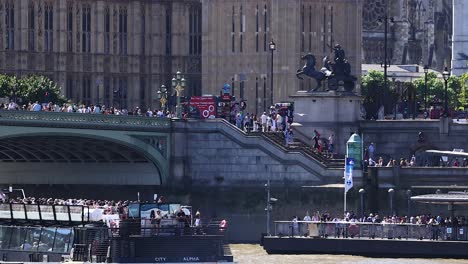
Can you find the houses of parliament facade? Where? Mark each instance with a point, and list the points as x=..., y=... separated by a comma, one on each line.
x=120, y=52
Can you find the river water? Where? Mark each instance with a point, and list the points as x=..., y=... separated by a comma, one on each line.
x=254, y=253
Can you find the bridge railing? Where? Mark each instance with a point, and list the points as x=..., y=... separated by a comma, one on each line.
x=95, y=119
x=359, y=230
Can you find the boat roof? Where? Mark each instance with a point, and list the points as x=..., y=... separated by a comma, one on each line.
x=447, y=153
x=442, y=198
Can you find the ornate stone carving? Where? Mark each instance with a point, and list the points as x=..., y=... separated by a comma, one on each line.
x=374, y=9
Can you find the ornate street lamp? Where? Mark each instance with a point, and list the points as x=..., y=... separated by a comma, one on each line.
x=178, y=84
x=272, y=46
x=426, y=70
x=408, y=194
x=391, y=191
x=162, y=96
x=446, y=75
x=361, y=193
x=386, y=20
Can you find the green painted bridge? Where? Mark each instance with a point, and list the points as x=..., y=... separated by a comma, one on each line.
x=70, y=148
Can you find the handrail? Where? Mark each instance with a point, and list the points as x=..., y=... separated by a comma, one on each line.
x=55, y=117
x=321, y=161
x=368, y=230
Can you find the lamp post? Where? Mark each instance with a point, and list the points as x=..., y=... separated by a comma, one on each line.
x=390, y=193
x=426, y=70
x=446, y=75
x=178, y=83
x=396, y=101
x=268, y=205
x=385, y=64
x=361, y=193
x=272, y=46
x=408, y=194
x=162, y=96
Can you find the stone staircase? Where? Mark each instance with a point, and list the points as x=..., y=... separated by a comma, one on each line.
x=298, y=145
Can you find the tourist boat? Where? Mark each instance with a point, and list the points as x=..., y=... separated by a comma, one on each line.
x=55, y=233
x=367, y=239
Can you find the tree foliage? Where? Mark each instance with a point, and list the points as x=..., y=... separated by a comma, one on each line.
x=436, y=90
x=30, y=89
x=375, y=94
x=463, y=95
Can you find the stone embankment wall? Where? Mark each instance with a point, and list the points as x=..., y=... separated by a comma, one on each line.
x=215, y=153
x=399, y=139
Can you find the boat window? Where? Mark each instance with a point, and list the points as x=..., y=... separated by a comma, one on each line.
x=17, y=238
x=76, y=213
x=5, y=212
x=31, y=242
x=5, y=235
x=61, y=211
x=32, y=211
x=62, y=240
x=47, y=239
x=18, y=211
x=134, y=210
x=47, y=212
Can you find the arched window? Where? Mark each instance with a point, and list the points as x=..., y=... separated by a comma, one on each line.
x=31, y=27
x=49, y=27
x=10, y=25
x=86, y=28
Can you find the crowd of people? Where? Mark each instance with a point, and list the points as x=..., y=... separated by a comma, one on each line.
x=108, y=206
x=425, y=226
x=87, y=109
x=421, y=219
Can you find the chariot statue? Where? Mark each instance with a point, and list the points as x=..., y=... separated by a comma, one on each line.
x=337, y=71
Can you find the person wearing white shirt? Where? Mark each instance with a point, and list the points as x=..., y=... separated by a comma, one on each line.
x=12, y=106
x=263, y=118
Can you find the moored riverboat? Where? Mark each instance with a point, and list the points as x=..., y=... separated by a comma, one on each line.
x=58, y=233
x=367, y=239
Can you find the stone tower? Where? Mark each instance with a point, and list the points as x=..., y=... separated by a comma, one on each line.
x=460, y=37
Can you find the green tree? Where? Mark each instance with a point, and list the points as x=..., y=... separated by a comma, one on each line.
x=375, y=95
x=436, y=90
x=30, y=89
x=463, y=94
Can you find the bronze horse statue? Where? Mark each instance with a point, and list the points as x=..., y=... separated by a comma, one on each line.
x=309, y=70
x=336, y=71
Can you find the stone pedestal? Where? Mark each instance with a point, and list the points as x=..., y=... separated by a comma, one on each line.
x=330, y=113
x=326, y=107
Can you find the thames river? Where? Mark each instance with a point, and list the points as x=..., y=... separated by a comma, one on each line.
x=254, y=253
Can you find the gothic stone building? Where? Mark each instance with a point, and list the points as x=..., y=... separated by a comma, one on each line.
x=109, y=51
x=236, y=34
x=419, y=32
x=119, y=52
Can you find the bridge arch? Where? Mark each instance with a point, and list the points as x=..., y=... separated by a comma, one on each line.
x=83, y=156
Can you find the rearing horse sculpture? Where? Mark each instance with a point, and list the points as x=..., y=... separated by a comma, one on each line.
x=309, y=70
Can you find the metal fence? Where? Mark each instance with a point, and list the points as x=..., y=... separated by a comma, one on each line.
x=369, y=230
x=168, y=227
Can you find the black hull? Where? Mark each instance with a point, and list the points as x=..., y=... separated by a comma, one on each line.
x=168, y=249
x=367, y=247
